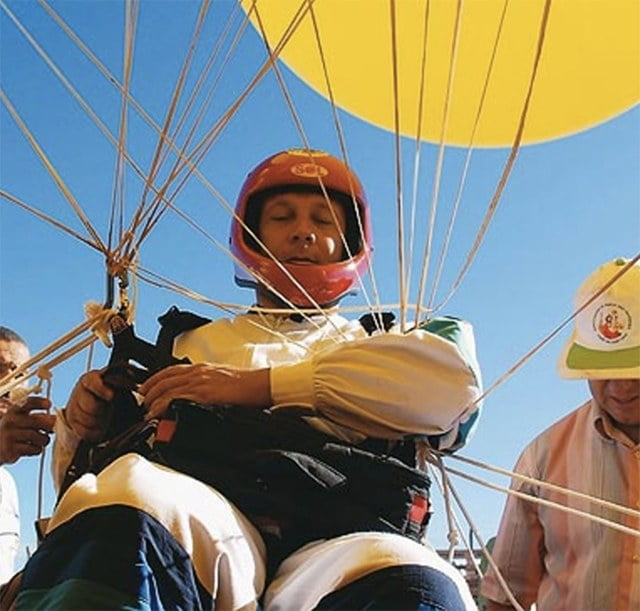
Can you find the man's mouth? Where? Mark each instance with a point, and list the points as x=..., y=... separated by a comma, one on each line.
x=626, y=400
x=301, y=260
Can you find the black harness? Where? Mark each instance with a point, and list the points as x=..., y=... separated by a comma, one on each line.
x=295, y=483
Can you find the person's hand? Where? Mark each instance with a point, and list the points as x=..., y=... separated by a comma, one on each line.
x=205, y=383
x=88, y=412
x=24, y=430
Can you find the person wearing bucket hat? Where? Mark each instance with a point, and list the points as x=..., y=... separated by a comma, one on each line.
x=226, y=528
x=548, y=556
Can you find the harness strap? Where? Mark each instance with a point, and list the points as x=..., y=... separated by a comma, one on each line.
x=373, y=321
x=131, y=362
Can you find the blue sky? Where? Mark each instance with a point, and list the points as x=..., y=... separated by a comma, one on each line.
x=570, y=205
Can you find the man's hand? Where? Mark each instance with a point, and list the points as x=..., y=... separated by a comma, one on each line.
x=87, y=412
x=24, y=430
x=208, y=384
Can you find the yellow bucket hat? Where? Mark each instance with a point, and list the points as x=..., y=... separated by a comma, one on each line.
x=605, y=343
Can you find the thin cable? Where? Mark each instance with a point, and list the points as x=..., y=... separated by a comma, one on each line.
x=453, y=533
x=43, y=457
x=158, y=156
x=439, y=163
x=52, y=172
x=112, y=79
x=345, y=158
x=162, y=282
x=206, y=71
x=501, y=580
x=94, y=321
x=118, y=194
x=515, y=149
x=418, y=149
x=187, y=162
x=467, y=163
x=140, y=215
x=520, y=362
x=66, y=83
x=301, y=131
x=45, y=217
x=398, y=167
x=267, y=252
x=202, y=148
x=546, y=485
x=441, y=487
x=540, y=501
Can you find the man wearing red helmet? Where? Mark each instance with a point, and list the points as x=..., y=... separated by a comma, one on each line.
x=337, y=189
x=301, y=238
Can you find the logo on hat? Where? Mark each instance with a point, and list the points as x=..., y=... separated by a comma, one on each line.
x=309, y=170
x=611, y=323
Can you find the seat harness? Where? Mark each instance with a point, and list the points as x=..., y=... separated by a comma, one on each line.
x=295, y=483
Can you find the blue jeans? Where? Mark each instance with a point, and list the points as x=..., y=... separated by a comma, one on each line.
x=397, y=588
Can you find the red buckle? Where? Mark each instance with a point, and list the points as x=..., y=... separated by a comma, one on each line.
x=418, y=510
x=165, y=430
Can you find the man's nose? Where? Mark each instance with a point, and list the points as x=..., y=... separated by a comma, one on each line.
x=304, y=232
x=622, y=386
x=6, y=368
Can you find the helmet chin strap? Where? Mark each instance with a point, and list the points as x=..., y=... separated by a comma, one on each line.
x=268, y=299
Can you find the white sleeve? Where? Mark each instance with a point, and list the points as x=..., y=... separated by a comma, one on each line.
x=64, y=447
x=388, y=385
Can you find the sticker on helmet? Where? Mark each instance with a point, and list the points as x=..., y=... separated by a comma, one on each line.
x=611, y=323
x=309, y=170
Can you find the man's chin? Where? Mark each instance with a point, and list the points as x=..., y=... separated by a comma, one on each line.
x=624, y=419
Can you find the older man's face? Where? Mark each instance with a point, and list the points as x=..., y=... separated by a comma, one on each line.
x=12, y=355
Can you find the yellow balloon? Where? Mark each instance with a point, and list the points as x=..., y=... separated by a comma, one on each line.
x=589, y=68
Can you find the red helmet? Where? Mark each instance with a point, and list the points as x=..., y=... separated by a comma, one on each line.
x=308, y=171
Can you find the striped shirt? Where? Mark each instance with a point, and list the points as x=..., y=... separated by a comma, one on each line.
x=563, y=561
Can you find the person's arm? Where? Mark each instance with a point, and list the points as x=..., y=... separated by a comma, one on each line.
x=519, y=548
x=206, y=383
x=390, y=385
x=85, y=417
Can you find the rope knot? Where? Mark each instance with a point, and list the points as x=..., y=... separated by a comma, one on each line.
x=100, y=315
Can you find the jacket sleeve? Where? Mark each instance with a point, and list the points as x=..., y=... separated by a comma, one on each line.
x=64, y=447
x=422, y=383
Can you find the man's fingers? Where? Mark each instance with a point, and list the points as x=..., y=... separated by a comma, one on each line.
x=36, y=402
x=89, y=419
x=189, y=390
x=158, y=404
x=23, y=449
x=87, y=428
x=17, y=420
x=33, y=438
x=28, y=449
x=22, y=443
x=44, y=422
x=88, y=410
x=93, y=383
x=157, y=409
x=165, y=377
x=173, y=385
x=32, y=403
